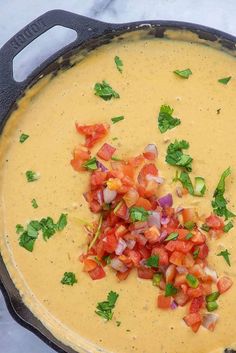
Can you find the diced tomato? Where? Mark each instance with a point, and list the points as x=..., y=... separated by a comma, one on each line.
x=196, y=305
x=195, y=292
x=198, y=238
x=95, y=207
x=110, y=243
x=147, y=169
x=188, y=260
x=100, y=249
x=80, y=156
x=142, y=202
x=196, y=327
x=92, y=133
x=224, y=284
x=123, y=275
x=203, y=251
x=97, y=273
x=180, y=279
x=98, y=178
x=214, y=222
x=189, y=214
x=89, y=265
x=120, y=231
x=206, y=288
x=122, y=211
x=131, y=197
x=163, y=302
x=136, y=161
x=170, y=273
x=145, y=273
x=179, y=245
x=128, y=171
x=192, y=319
x=135, y=257
x=106, y=152
x=177, y=258
x=152, y=234
x=149, y=155
x=145, y=253
x=163, y=255
x=182, y=233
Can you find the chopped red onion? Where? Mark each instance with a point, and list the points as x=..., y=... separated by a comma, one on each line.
x=165, y=220
x=118, y=265
x=211, y=273
x=154, y=219
x=109, y=195
x=152, y=148
x=174, y=305
x=166, y=201
x=131, y=243
x=181, y=269
x=120, y=247
x=157, y=179
x=100, y=197
x=209, y=321
x=101, y=166
x=163, y=236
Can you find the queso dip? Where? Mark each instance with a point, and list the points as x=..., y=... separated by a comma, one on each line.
x=47, y=114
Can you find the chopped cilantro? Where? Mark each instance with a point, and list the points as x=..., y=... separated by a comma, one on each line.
x=31, y=176
x=193, y=282
x=119, y=63
x=19, y=228
x=69, y=279
x=176, y=157
x=196, y=252
x=212, y=297
x=228, y=226
x=219, y=203
x=225, y=253
x=138, y=214
x=189, y=225
x=183, y=73
x=34, y=203
x=170, y=290
x=225, y=80
x=27, y=241
x=189, y=236
x=105, y=309
x=62, y=222
x=91, y=164
x=23, y=138
x=165, y=119
x=172, y=236
x=48, y=227
x=107, y=259
x=205, y=227
x=117, y=118
x=152, y=261
x=186, y=182
x=105, y=91
x=114, y=158
x=156, y=279
x=199, y=187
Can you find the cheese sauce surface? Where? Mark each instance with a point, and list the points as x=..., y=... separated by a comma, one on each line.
x=48, y=113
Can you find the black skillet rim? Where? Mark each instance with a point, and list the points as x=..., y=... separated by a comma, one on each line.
x=91, y=33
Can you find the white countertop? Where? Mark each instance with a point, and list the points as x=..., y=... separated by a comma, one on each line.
x=17, y=13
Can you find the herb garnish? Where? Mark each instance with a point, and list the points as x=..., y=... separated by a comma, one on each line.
x=69, y=279
x=165, y=119
x=199, y=188
x=225, y=80
x=228, y=226
x=186, y=182
x=183, y=73
x=118, y=63
x=176, y=157
x=91, y=164
x=152, y=261
x=172, y=236
x=117, y=118
x=104, y=309
x=31, y=176
x=225, y=253
x=193, y=282
x=105, y=91
x=23, y=138
x=34, y=203
x=196, y=252
x=219, y=203
x=29, y=235
x=138, y=214
x=170, y=290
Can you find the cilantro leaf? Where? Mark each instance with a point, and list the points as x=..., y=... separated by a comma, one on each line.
x=31, y=176
x=183, y=73
x=225, y=255
x=117, y=118
x=118, y=63
x=165, y=119
x=225, y=80
x=219, y=203
x=105, y=91
x=170, y=290
x=228, y=226
x=104, y=309
x=62, y=222
x=91, y=164
x=186, y=182
x=152, y=261
x=199, y=186
x=69, y=279
x=23, y=138
x=26, y=241
x=19, y=229
x=172, y=236
x=138, y=214
x=48, y=227
x=34, y=203
x=176, y=157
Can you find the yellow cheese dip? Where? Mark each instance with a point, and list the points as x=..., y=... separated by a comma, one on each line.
x=48, y=114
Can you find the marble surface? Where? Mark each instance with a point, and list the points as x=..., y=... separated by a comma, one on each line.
x=15, y=14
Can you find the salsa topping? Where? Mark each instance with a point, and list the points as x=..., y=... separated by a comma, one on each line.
x=139, y=229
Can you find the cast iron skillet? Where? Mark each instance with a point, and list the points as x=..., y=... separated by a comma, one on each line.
x=91, y=34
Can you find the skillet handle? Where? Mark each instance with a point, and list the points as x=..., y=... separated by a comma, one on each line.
x=85, y=27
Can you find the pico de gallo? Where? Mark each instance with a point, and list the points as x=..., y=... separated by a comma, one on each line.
x=139, y=229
